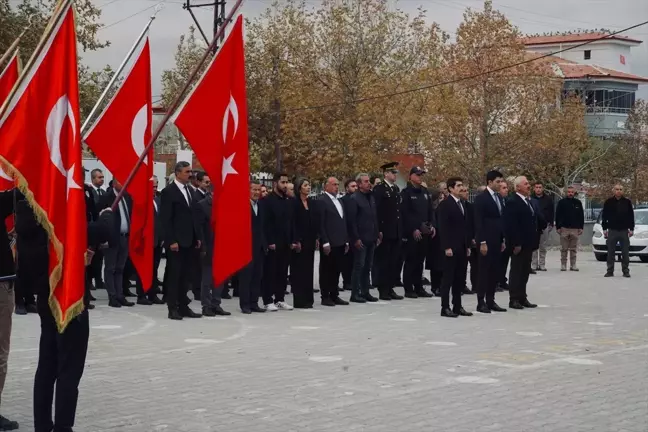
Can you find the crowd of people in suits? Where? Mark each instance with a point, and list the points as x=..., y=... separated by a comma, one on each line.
x=368, y=235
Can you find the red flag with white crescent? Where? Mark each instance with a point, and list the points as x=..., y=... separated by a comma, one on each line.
x=118, y=138
x=41, y=147
x=219, y=98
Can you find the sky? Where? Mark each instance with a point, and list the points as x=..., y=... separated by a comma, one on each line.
x=124, y=20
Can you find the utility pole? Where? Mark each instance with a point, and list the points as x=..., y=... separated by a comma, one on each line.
x=219, y=15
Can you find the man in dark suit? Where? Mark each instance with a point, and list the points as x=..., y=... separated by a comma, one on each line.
x=250, y=277
x=181, y=239
x=502, y=281
x=97, y=191
x=453, y=232
x=200, y=185
x=158, y=232
x=277, y=209
x=521, y=227
x=489, y=236
x=473, y=259
x=388, y=207
x=350, y=187
x=362, y=225
x=117, y=253
x=334, y=243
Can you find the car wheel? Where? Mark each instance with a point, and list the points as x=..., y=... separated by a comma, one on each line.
x=644, y=259
x=601, y=257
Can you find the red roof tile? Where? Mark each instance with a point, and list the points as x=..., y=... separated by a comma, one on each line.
x=574, y=38
x=572, y=70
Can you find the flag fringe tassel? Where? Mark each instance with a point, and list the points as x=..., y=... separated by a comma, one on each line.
x=55, y=277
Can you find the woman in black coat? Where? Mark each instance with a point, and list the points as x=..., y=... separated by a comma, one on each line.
x=306, y=231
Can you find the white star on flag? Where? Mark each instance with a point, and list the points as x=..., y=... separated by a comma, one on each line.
x=227, y=167
x=71, y=184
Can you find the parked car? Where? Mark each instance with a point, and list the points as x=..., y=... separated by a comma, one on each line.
x=638, y=242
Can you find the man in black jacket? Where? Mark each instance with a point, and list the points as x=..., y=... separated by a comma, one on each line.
x=489, y=236
x=388, y=206
x=618, y=226
x=116, y=255
x=350, y=187
x=7, y=276
x=453, y=232
x=251, y=275
x=181, y=238
x=521, y=228
x=570, y=220
x=279, y=227
x=545, y=205
x=32, y=247
x=362, y=225
x=418, y=229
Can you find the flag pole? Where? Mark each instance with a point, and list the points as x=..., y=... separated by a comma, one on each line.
x=118, y=72
x=179, y=98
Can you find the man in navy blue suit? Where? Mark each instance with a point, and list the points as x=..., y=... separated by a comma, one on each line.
x=489, y=236
x=521, y=228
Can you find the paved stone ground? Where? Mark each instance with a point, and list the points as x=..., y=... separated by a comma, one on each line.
x=577, y=363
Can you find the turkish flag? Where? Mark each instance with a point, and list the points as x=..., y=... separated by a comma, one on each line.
x=219, y=98
x=41, y=147
x=118, y=138
x=8, y=78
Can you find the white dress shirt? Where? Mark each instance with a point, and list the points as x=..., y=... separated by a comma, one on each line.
x=527, y=201
x=124, y=217
x=337, y=204
x=255, y=207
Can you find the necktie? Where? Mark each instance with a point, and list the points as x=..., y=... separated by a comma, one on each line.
x=528, y=201
x=497, y=201
x=100, y=191
x=188, y=194
x=461, y=207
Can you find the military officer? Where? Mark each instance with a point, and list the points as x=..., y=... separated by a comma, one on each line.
x=418, y=229
x=388, y=202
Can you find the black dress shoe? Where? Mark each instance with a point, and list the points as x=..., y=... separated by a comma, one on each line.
x=246, y=311
x=188, y=313
x=220, y=311
x=175, y=315
x=7, y=425
x=156, y=300
x=424, y=294
x=394, y=296
x=114, y=303
x=129, y=293
x=496, y=308
x=144, y=301
x=226, y=296
x=256, y=308
x=626, y=275
x=515, y=305
x=339, y=302
x=609, y=274
x=482, y=308
x=355, y=299
x=91, y=297
x=370, y=298
x=462, y=312
x=124, y=302
x=533, y=271
x=90, y=306
x=425, y=281
x=503, y=286
x=327, y=302
x=31, y=308
x=315, y=290
x=467, y=291
x=411, y=294
x=447, y=312
x=385, y=297
x=527, y=304
x=208, y=312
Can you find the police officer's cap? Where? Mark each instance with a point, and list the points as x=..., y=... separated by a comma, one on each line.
x=417, y=170
x=390, y=166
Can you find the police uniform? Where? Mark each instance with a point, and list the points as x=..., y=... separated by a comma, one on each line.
x=417, y=214
x=388, y=202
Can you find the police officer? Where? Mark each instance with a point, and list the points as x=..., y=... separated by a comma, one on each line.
x=418, y=228
x=388, y=202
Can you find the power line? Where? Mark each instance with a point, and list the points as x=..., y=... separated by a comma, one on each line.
x=465, y=78
x=129, y=17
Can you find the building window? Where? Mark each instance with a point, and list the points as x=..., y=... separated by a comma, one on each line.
x=588, y=54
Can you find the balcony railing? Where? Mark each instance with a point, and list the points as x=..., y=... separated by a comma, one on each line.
x=606, y=110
